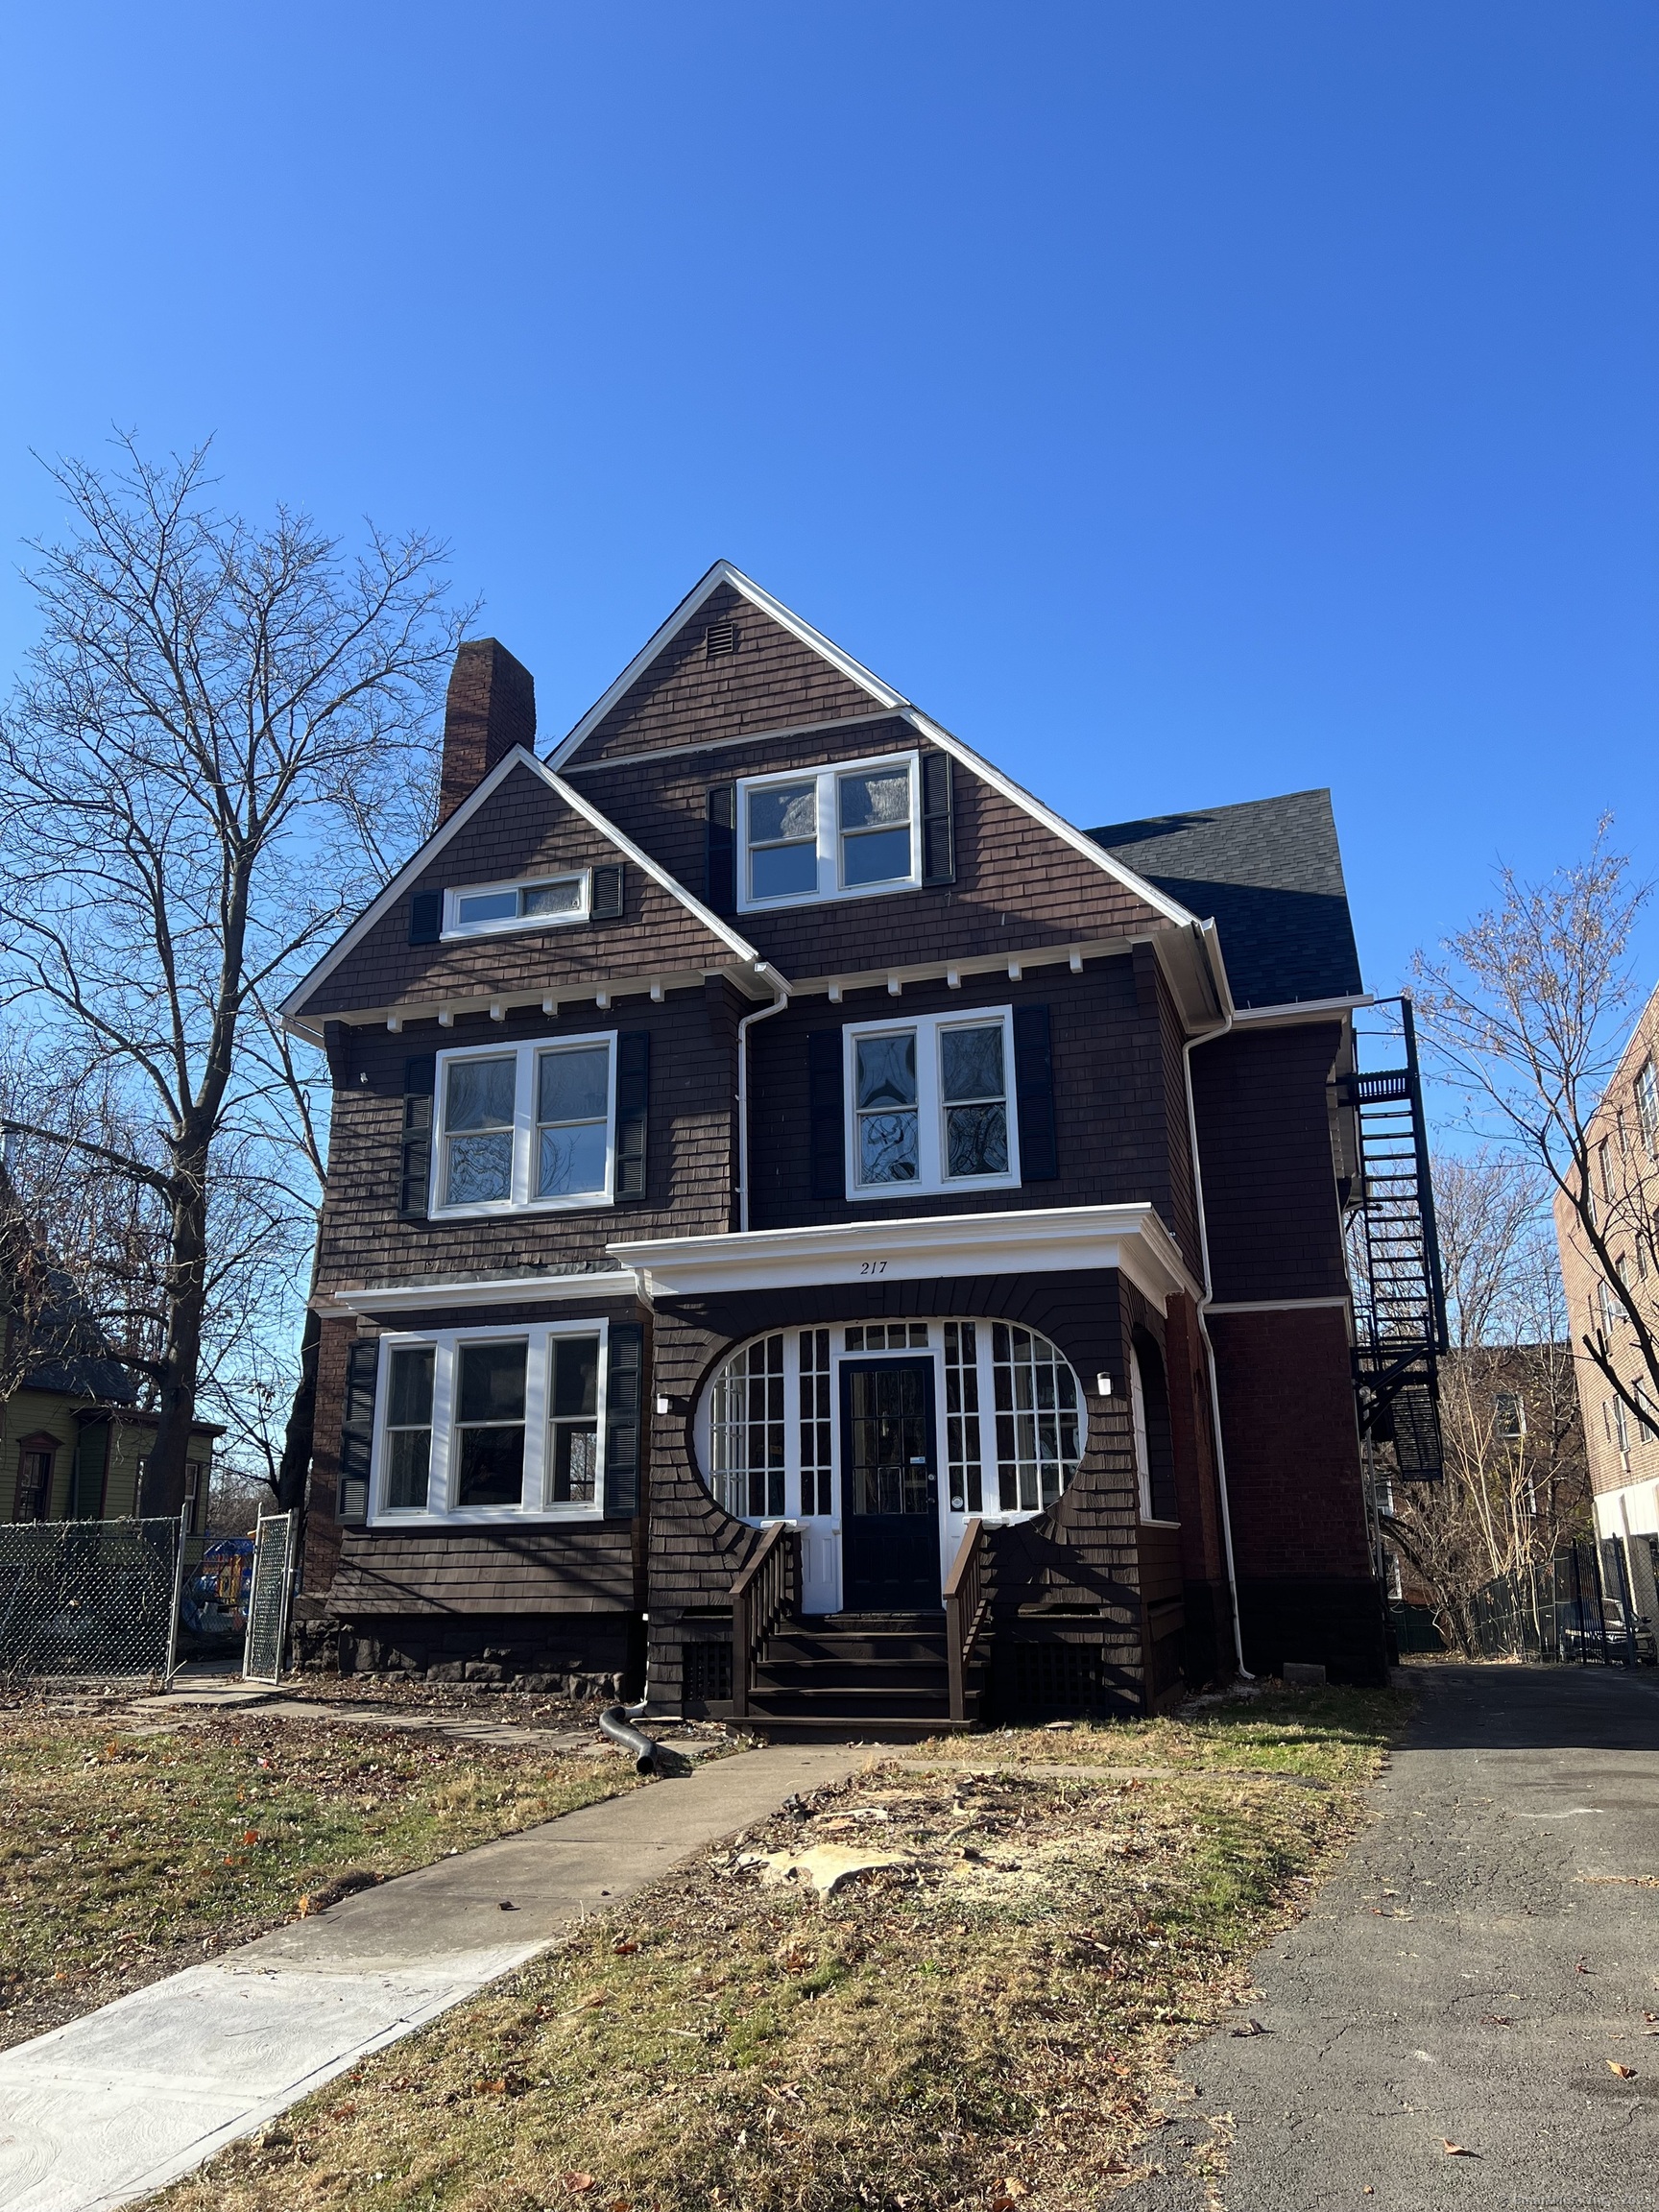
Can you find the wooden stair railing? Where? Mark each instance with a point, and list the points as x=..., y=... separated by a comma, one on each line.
x=967, y=1607
x=763, y=1598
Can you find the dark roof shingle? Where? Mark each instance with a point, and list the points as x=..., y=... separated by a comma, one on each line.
x=1271, y=873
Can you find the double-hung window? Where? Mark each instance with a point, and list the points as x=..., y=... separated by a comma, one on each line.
x=928, y=1104
x=836, y=832
x=483, y=1425
x=537, y=903
x=528, y=1125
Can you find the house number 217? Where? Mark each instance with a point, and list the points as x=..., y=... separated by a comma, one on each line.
x=872, y=1267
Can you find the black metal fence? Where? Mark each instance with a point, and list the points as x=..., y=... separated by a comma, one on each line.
x=1584, y=1607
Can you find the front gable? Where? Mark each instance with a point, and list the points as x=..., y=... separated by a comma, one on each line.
x=522, y=823
x=728, y=661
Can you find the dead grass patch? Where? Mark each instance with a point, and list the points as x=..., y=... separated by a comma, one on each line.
x=123, y=1857
x=988, y=2019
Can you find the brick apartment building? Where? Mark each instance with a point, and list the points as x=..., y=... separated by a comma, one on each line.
x=1620, y=1437
x=801, y=1212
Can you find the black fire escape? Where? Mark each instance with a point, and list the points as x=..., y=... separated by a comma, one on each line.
x=1394, y=1263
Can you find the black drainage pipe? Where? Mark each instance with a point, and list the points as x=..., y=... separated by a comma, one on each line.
x=615, y=1723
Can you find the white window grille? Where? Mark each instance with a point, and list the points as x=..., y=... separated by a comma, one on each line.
x=962, y=1450
x=748, y=1432
x=1037, y=1431
x=817, y=1423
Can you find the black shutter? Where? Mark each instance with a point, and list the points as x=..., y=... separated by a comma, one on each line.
x=828, y=1143
x=426, y=917
x=419, y=1082
x=606, y=902
x=720, y=851
x=624, y=1381
x=1034, y=1094
x=358, y=1429
x=938, y=820
x=633, y=1104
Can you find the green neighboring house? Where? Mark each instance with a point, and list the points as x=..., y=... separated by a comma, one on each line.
x=73, y=1436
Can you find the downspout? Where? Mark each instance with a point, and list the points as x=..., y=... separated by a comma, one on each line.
x=765, y=970
x=1208, y=1037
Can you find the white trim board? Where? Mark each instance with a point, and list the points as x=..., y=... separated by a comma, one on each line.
x=416, y=866
x=1033, y=1240
x=723, y=744
x=1275, y=1304
x=510, y=1290
x=722, y=572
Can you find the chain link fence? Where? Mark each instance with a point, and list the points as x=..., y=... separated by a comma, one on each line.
x=90, y=1599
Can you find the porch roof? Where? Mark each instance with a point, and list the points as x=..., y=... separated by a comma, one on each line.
x=1038, y=1240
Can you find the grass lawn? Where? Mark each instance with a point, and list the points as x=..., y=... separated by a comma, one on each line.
x=987, y=2021
x=124, y=1857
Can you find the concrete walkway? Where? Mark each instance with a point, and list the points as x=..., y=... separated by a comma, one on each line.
x=1480, y=1956
x=129, y=2098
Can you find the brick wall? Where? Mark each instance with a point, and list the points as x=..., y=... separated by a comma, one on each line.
x=1305, y=1585
x=1269, y=1176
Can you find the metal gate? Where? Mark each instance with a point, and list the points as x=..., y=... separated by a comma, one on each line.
x=90, y=1600
x=268, y=1604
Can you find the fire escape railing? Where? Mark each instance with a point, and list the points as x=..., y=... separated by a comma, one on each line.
x=1394, y=1265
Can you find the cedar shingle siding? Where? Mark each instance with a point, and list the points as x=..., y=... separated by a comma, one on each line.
x=1093, y=1609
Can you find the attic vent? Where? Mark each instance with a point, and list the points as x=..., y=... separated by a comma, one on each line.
x=718, y=639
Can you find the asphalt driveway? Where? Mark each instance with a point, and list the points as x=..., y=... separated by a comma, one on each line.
x=1472, y=1974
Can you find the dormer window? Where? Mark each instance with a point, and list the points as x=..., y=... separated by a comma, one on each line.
x=537, y=903
x=840, y=833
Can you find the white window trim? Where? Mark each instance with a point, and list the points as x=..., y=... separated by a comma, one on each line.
x=994, y=1515
x=829, y=885
x=538, y=1338
x=932, y=1181
x=510, y=923
x=522, y=1200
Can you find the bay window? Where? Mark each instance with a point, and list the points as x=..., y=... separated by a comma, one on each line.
x=928, y=1104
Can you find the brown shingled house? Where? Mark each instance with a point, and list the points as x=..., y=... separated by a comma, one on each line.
x=764, y=1225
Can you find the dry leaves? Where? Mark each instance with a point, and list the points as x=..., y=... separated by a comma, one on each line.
x=1456, y=2150
x=1625, y=2073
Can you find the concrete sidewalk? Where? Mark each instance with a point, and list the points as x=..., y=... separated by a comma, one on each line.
x=1467, y=1976
x=123, y=2100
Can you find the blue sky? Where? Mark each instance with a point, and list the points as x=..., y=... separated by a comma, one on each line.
x=1185, y=403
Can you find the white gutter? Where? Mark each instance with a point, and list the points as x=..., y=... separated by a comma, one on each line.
x=1208, y=1037
x=765, y=970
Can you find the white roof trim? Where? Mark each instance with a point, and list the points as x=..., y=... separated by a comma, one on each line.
x=1034, y=1240
x=512, y=1290
x=1078, y=839
x=722, y=572
x=1303, y=1009
x=520, y=757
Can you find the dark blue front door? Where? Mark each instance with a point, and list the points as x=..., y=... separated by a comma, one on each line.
x=889, y=1487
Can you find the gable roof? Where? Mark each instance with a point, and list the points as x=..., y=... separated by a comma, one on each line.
x=1269, y=872
x=293, y=1006
x=722, y=572
x=885, y=695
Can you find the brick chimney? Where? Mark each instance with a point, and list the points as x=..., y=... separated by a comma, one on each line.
x=491, y=707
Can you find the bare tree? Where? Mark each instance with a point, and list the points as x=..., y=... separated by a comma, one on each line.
x=216, y=742
x=1527, y=1012
x=1516, y=1485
